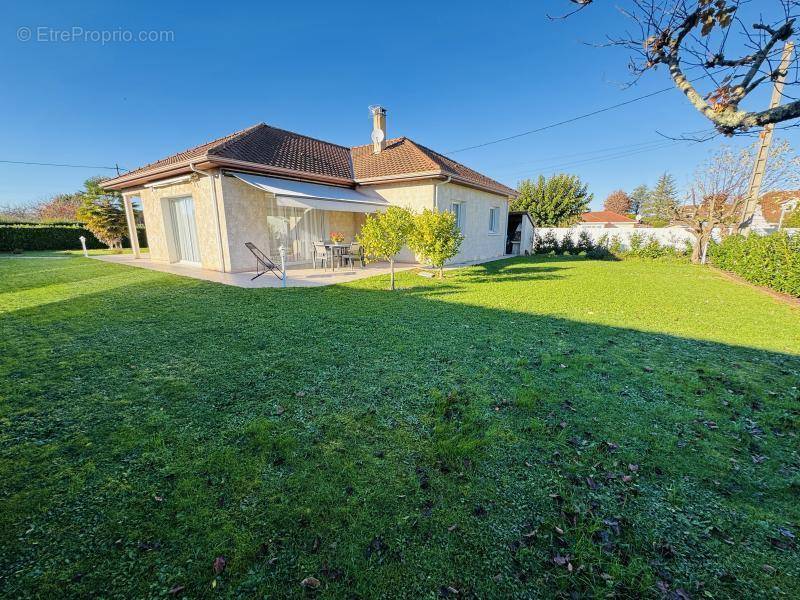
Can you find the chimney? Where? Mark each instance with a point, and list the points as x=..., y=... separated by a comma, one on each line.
x=378, y=128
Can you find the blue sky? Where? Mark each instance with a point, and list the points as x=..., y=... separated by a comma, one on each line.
x=450, y=74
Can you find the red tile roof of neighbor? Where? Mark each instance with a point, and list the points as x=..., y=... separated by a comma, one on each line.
x=281, y=152
x=605, y=216
x=771, y=204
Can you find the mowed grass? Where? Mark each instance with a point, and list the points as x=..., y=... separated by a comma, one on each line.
x=528, y=428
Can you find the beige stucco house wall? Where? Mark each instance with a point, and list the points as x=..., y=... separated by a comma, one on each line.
x=479, y=242
x=243, y=211
x=158, y=221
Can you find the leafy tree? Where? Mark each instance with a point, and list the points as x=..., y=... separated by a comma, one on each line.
x=62, y=207
x=618, y=201
x=103, y=213
x=639, y=198
x=435, y=237
x=556, y=201
x=792, y=219
x=383, y=235
x=661, y=202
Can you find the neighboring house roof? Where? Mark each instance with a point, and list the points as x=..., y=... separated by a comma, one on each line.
x=284, y=153
x=605, y=216
x=772, y=202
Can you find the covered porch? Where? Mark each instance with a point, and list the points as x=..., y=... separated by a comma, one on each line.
x=294, y=215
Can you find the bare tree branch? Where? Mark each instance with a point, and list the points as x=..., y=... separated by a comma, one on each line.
x=680, y=35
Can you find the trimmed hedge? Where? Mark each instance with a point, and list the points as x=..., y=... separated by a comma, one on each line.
x=771, y=260
x=46, y=236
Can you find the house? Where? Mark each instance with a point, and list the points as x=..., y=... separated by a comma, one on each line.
x=773, y=207
x=605, y=218
x=275, y=188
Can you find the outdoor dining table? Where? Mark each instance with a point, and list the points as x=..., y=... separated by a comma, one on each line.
x=336, y=250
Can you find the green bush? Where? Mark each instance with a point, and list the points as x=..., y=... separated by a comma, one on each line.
x=770, y=260
x=35, y=236
x=567, y=245
x=546, y=244
x=585, y=243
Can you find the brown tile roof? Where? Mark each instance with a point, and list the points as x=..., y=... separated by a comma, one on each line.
x=605, y=216
x=186, y=155
x=284, y=150
x=403, y=156
x=771, y=204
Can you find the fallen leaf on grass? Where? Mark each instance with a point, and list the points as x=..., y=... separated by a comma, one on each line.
x=633, y=468
x=310, y=582
x=176, y=589
x=279, y=410
x=219, y=565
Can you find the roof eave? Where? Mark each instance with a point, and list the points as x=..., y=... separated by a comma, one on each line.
x=207, y=161
x=434, y=175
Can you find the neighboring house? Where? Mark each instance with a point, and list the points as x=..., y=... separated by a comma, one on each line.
x=273, y=187
x=605, y=218
x=768, y=211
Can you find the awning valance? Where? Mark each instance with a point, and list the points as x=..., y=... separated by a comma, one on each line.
x=302, y=194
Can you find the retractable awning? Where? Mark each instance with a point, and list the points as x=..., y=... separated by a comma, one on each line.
x=301, y=194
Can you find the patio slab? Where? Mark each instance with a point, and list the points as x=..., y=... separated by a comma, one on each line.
x=296, y=277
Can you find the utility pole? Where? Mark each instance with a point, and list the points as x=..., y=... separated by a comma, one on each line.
x=760, y=167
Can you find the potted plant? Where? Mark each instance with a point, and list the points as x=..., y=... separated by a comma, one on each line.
x=337, y=237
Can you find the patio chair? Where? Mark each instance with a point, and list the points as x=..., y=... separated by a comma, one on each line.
x=321, y=254
x=263, y=263
x=354, y=252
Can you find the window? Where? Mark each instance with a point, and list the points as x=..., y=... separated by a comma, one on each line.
x=494, y=217
x=457, y=208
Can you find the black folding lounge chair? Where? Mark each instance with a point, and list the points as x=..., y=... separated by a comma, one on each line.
x=263, y=263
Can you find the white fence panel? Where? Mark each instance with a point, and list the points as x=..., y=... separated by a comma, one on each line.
x=666, y=236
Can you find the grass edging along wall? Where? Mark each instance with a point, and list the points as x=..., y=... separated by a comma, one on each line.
x=46, y=236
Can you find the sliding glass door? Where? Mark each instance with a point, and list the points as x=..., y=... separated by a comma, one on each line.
x=296, y=229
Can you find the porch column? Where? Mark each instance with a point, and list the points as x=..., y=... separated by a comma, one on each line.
x=133, y=233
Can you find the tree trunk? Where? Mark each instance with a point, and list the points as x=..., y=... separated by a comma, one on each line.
x=697, y=250
x=441, y=271
x=391, y=267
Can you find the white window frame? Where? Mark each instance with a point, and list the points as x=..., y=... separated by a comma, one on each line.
x=457, y=208
x=494, y=215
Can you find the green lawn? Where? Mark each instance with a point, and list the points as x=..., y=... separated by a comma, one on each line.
x=529, y=428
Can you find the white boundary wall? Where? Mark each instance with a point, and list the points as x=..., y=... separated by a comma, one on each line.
x=666, y=236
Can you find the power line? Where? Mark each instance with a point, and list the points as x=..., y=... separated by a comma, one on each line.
x=571, y=119
x=43, y=164
x=514, y=168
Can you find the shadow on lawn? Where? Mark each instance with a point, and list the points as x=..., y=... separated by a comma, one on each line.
x=375, y=440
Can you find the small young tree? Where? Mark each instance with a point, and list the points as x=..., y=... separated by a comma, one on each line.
x=618, y=201
x=383, y=235
x=103, y=213
x=557, y=201
x=435, y=237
